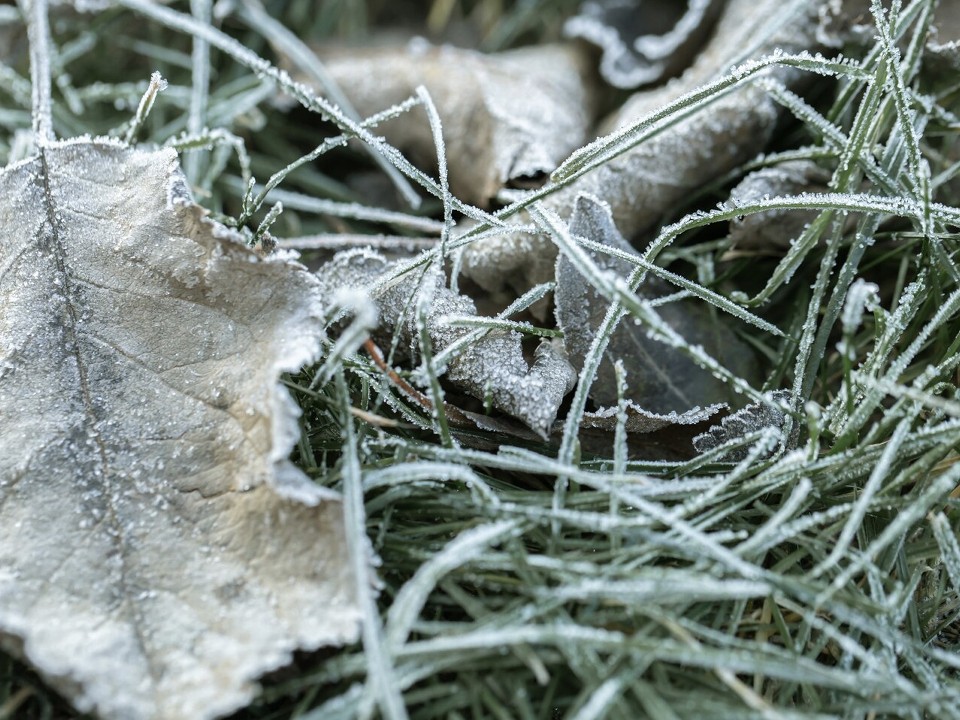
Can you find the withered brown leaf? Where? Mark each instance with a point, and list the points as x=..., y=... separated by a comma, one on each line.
x=661, y=381
x=491, y=368
x=650, y=181
x=506, y=117
x=158, y=552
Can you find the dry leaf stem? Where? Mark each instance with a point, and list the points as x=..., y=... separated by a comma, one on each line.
x=453, y=413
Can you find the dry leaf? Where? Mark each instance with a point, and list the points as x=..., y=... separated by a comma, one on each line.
x=665, y=170
x=941, y=64
x=751, y=418
x=775, y=229
x=941, y=57
x=157, y=550
x=648, y=182
x=650, y=436
x=509, y=117
x=641, y=421
x=506, y=266
x=947, y=21
x=660, y=379
x=643, y=41
x=492, y=368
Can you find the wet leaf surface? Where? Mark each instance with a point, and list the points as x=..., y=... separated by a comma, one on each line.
x=158, y=552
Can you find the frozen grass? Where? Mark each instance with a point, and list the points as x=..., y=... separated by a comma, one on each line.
x=822, y=580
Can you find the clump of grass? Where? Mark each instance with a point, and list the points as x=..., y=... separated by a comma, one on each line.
x=816, y=578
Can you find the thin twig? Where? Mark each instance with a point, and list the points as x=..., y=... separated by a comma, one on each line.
x=453, y=413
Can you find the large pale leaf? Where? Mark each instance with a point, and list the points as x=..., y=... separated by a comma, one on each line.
x=157, y=550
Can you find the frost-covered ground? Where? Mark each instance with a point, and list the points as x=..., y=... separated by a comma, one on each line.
x=628, y=400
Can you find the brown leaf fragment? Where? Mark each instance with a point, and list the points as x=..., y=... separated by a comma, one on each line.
x=650, y=436
x=509, y=117
x=775, y=229
x=643, y=41
x=941, y=66
x=751, y=418
x=492, y=368
x=661, y=380
x=639, y=420
x=647, y=183
x=158, y=552
x=947, y=22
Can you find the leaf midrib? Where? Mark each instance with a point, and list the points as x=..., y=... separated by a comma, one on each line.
x=117, y=537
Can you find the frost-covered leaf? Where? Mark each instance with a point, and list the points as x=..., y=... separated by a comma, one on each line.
x=648, y=182
x=510, y=264
x=647, y=436
x=158, y=552
x=941, y=64
x=731, y=129
x=491, y=368
x=775, y=229
x=947, y=21
x=509, y=117
x=660, y=379
x=751, y=418
x=643, y=41
x=640, y=420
